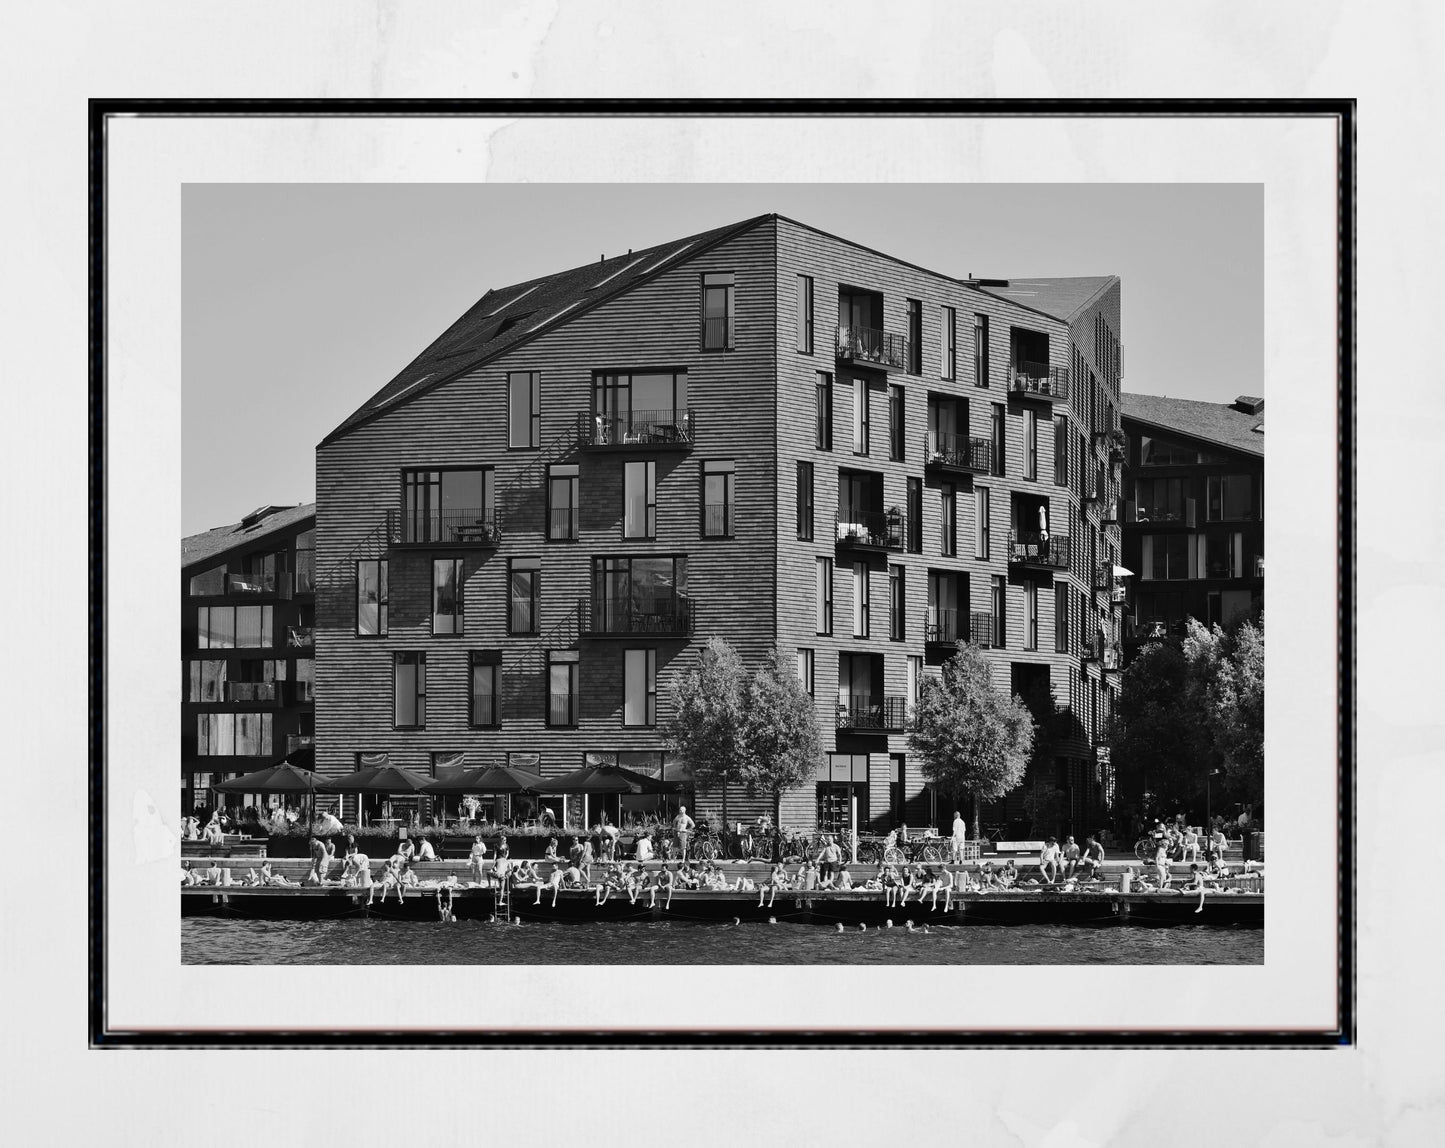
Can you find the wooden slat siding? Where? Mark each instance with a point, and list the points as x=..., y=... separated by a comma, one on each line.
x=465, y=423
x=831, y=263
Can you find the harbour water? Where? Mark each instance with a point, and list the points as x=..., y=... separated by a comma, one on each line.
x=381, y=942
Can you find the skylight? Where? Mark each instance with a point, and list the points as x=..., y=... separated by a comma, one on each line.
x=665, y=258
x=509, y=302
x=615, y=274
x=386, y=402
x=558, y=315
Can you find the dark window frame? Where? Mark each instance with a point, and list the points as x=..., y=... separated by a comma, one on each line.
x=806, y=504
x=459, y=615
x=383, y=595
x=649, y=482
x=896, y=423
x=729, y=502
x=862, y=433
x=493, y=659
x=915, y=336
x=803, y=310
x=948, y=520
x=914, y=530
x=980, y=350
x=727, y=284
x=897, y=603
x=534, y=398
x=649, y=687
x=824, y=566
x=534, y=597
x=948, y=343
x=398, y=659
x=862, y=604
x=575, y=521
x=555, y=659
x=823, y=411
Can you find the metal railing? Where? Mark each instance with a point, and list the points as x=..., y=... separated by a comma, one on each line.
x=672, y=428
x=962, y=452
x=717, y=520
x=253, y=583
x=1104, y=576
x=662, y=615
x=981, y=629
x=940, y=626
x=562, y=523
x=473, y=525
x=883, y=530
x=715, y=334
x=865, y=345
x=561, y=709
x=870, y=712
x=300, y=637
x=1039, y=379
x=1035, y=549
x=250, y=691
x=1142, y=514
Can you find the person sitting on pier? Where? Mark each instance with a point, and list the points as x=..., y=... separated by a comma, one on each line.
x=425, y=851
x=1008, y=876
x=912, y=878
x=664, y=879
x=524, y=876
x=191, y=828
x=642, y=847
x=188, y=875
x=777, y=879
x=211, y=876
x=634, y=879
x=550, y=853
x=939, y=881
x=554, y=882
x=845, y=879
x=889, y=879
x=1093, y=859
x=1051, y=861
x=406, y=878
x=280, y=880
x=406, y=849
x=357, y=873
x=214, y=835
x=388, y=878
x=1071, y=856
x=479, y=852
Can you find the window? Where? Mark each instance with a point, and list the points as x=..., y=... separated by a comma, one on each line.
x=915, y=337
x=233, y=735
x=897, y=605
x=825, y=596
x=524, y=577
x=915, y=679
x=823, y=404
x=208, y=682
x=1031, y=615
x=947, y=521
x=1224, y=555
x=233, y=627
x=1171, y=556
x=895, y=423
x=562, y=502
x=562, y=681
x=305, y=679
x=1061, y=618
x=860, y=599
x=947, y=351
x=717, y=311
x=804, y=314
x=524, y=422
x=805, y=671
x=447, y=592
x=805, y=502
x=1000, y=605
x=640, y=407
x=371, y=595
x=718, y=493
x=211, y=581
x=915, y=516
x=980, y=522
x=1162, y=500
x=860, y=416
x=998, y=439
x=1231, y=497
x=1061, y=450
x=631, y=594
x=1031, y=446
x=409, y=690
x=841, y=780
x=306, y=562
x=447, y=505
x=1154, y=451
x=980, y=350
x=486, y=683
x=639, y=500
x=639, y=688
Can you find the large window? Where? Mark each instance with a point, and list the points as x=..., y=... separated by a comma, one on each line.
x=524, y=422
x=562, y=687
x=895, y=423
x=717, y=311
x=980, y=522
x=233, y=735
x=447, y=505
x=409, y=690
x=447, y=593
x=1167, y=557
x=842, y=780
x=212, y=581
x=639, y=500
x=803, y=310
x=306, y=562
x=371, y=597
x=1061, y=617
x=1161, y=500
x=805, y=502
x=634, y=592
x=897, y=604
x=524, y=581
x=915, y=337
x=640, y=408
x=719, y=481
x=915, y=516
x=825, y=596
x=486, y=688
x=563, y=502
x=860, y=416
x=947, y=350
x=1231, y=497
x=999, y=604
x=805, y=671
x=1061, y=450
x=1224, y=555
x=233, y=627
x=947, y=521
x=860, y=599
x=980, y=350
x=823, y=411
x=208, y=682
x=1154, y=451
x=639, y=687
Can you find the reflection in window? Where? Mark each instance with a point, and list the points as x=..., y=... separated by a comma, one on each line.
x=447, y=594
x=563, y=496
x=718, y=495
x=639, y=498
x=524, y=581
x=717, y=311
x=410, y=690
x=639, y=702
x=233, y=627
x=524, y=390
x=371, y=597
x=486, y=678
x=562, y=688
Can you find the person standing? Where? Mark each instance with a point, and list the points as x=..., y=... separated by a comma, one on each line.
x=960, y=836
x=478, y=854
x=683, y=826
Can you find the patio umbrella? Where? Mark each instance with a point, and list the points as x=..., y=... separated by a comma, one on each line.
x=602, y=779
x=484, y=779
x=386, y=779
x=283, y=778
x=304, y=756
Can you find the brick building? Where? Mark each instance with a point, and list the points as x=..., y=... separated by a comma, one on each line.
x=762, y=432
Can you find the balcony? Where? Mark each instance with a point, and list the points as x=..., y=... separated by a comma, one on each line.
x=250, y=691
x=944, y=629
x=300, y=637
x=1034, y=551
x=868, y=530
x=647, y=430
x=859, y=713
x=1112, y=513
x=1157, y=517
x=457, y=527
x=1039, y=381
x=668, y=616
x=1104, y=576
x=878, y=350
x=957, y=453
x=1108, y=654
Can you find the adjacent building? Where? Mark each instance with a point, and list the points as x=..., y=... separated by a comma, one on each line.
x=763, y=432
x=1194, y=522
x=248, y=616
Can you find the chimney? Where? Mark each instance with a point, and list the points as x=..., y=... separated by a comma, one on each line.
x=1247, y=405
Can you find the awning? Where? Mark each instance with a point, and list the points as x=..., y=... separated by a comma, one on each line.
x=1122, y=572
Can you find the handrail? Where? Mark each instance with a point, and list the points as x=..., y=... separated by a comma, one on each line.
x=1039, y=379
x=868, y=345
x=638, y=428
x=661, y=615
x=457, y=525
x=883, y=529
x=1032, y=546
x=966, y=452
x=875, y=711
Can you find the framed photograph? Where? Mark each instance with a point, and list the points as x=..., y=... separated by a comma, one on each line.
x=716, y=564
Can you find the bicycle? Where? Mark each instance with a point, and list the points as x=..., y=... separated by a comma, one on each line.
x=1146, y=849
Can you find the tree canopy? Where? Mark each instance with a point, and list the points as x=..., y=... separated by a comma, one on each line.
x=781, y=743
x=706, y=723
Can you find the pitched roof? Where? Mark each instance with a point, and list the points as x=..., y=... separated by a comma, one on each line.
x=507, y=317
x=254, y=527
x=1062, y=298
x=1217, y=423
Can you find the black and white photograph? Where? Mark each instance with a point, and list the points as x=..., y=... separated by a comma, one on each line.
x=722, y=574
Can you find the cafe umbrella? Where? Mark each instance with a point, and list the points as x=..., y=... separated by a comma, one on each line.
x=602, y=779
x=385, y=780
x=486, y=779
x=282, y=778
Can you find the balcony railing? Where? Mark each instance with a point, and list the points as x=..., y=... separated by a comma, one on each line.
x=717, y=520
x=463, y=526
x=861, y=713
x=981, y=629
x=1034, y=549
x=1108, y=653
x=300, y=637
x=1104, y=576
x=715, y=334
x=561, y=709
x=1113, y=658
x=299, y=690
x=941, y=627
x=562, y=523
x=608, y=617
x=254, y=583
x=1112, y=513
x=864, y=345
x=295, y=741
x=1142, y=514
x=958, y=452
x=1039, y=380
x=660, y=430
x=250, y=691
x=871, y=530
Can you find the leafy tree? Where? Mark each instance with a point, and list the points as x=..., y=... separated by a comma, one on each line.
x=706, y=725
x=1044, y=803
x=1159, y=748
x=782, y=747
x=970, y=735
x=1227, y=667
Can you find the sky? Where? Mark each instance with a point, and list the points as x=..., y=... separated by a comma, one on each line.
x=302, y=300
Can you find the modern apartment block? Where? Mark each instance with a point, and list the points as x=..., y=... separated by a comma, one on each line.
x=1194, y=524
x=765, y=433
x=248, y=616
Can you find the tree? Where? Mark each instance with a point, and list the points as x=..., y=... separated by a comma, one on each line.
x=781, y=744
x=1044, y=803
x=971, y=736
x=706, y=725
x=1227, y=668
